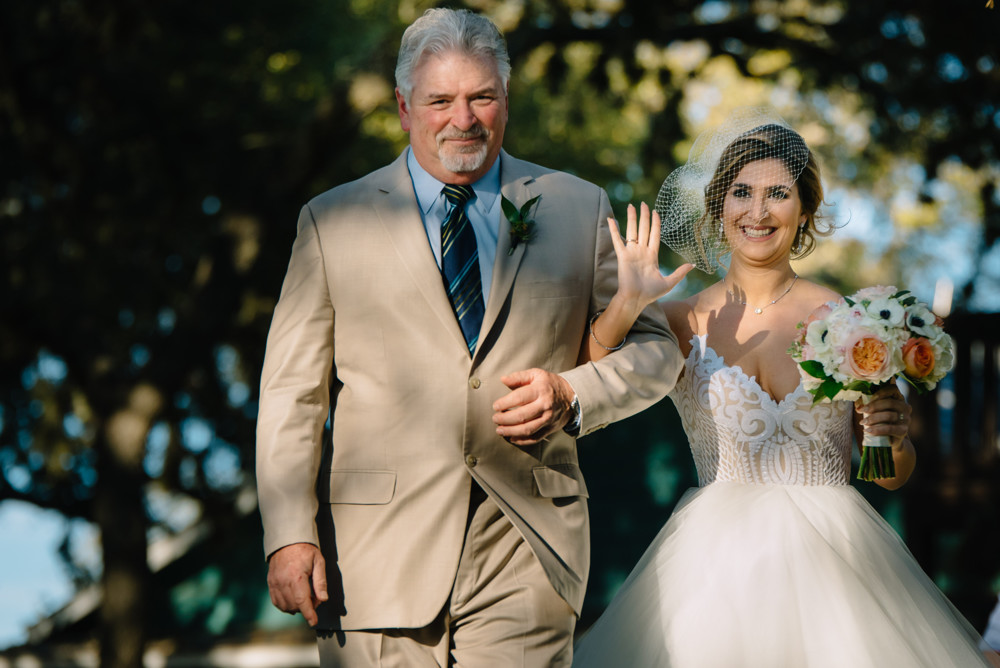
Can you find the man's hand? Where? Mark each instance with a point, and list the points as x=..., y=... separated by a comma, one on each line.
x=296, y=578
x=538, y=404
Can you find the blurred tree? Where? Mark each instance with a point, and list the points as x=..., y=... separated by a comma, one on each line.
x=154, y=159
x=150, y=153
x=900, y=98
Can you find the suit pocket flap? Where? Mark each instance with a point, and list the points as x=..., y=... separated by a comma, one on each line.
x=362, y=487
x=560, y=480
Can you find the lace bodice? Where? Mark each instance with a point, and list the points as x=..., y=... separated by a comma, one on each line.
x=739, y=433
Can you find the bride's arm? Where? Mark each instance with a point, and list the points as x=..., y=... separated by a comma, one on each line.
x=888, y=414
x=639, y=282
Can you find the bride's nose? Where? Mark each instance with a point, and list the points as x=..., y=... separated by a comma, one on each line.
x=758, y=210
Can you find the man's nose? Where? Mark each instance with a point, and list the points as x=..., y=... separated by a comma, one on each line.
x=462, y=117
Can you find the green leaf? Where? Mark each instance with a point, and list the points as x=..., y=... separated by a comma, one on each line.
x=510, y=211
x=829, y=389
x=813, y=368
x=919, y=385
x=526, y=207
x=862, y=386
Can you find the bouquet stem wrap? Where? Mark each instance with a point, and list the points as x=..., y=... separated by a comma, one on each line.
x=876, y=458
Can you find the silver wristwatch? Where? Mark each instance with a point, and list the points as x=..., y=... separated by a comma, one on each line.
x=575, y=418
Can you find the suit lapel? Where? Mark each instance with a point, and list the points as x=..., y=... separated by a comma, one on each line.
x=514, y=185
x=396, y=208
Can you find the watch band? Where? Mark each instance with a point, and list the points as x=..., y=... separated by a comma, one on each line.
x=576, y=418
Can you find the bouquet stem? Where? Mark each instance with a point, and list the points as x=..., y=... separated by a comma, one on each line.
x=876, y=458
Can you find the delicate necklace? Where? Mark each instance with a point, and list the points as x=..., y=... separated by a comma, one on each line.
x=760, y=309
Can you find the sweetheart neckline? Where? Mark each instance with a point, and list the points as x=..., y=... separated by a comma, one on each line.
x=703, y=348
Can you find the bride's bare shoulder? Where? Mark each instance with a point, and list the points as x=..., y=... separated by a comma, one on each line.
x=818, y=294
x=679, y=317
x=682, y=315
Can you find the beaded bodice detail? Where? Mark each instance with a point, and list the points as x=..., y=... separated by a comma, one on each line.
x=739, y=433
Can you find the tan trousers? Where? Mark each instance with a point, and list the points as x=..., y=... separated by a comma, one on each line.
x=502, y=612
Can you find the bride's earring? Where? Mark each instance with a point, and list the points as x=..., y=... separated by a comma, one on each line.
x=798, y=245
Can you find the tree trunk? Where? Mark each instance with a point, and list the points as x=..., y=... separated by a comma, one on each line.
x=120, y=512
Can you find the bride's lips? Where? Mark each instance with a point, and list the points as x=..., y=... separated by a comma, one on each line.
x=755, y=232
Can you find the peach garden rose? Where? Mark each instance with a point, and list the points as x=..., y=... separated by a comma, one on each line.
x=918, y=357
x=867, y=357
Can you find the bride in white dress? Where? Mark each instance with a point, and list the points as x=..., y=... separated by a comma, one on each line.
x=775, y=560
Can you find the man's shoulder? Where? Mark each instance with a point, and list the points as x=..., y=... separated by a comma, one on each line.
x=545, y=175
x=384, y=178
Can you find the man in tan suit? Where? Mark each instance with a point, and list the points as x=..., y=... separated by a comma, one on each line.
x=451, y=521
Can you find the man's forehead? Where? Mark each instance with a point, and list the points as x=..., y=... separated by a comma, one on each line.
x=451, y=64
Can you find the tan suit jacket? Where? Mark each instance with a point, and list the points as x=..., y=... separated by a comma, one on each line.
x=364, y=327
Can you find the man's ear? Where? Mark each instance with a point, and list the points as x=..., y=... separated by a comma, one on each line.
x=404, y=111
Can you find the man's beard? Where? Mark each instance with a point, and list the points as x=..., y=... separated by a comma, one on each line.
x=465, y=159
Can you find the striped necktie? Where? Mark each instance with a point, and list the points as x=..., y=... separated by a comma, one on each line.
x=460, y=265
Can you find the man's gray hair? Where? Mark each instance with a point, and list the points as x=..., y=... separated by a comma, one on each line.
x=441, y=31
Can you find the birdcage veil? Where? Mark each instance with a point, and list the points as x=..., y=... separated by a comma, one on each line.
x=692, y=198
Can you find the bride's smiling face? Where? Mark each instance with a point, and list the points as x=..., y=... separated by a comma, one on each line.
x=762, y=209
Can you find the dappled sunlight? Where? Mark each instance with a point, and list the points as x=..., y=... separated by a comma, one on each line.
x=156, y=161
x=368, y=91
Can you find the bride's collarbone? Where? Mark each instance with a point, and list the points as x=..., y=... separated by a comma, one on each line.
x=753, y=346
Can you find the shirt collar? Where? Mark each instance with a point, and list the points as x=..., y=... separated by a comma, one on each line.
x=428, y=188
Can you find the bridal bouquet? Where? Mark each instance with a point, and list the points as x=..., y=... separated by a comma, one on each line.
x=849, y=348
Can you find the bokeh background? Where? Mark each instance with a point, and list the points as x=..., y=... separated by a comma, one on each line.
x=153, y=157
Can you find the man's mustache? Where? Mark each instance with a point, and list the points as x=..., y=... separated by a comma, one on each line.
x=476, y=132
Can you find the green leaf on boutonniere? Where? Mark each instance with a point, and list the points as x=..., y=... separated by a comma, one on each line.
x=522, y=228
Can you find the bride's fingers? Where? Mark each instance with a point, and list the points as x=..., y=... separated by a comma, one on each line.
x=678, y=274
x=631, y=227
x=654, y=231
x=643, y=235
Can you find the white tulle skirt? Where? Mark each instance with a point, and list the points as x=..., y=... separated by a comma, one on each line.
x=774, y=576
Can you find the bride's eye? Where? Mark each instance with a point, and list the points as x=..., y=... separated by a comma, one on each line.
x=741, y=191
x=779, y=192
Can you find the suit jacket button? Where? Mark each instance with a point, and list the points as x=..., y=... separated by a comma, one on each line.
x=471, y=460
x=474, y=383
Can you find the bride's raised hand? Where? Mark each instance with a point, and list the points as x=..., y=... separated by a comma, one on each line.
x=639, y=279
x=639, y=282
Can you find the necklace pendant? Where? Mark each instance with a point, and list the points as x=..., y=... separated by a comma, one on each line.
x=758, y=310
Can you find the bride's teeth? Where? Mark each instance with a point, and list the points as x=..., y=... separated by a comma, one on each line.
x=757, y=231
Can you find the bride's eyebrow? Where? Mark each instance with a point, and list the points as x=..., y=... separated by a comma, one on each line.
x=749, y=186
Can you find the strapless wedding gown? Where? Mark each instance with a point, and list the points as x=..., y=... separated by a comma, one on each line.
x=774, y=561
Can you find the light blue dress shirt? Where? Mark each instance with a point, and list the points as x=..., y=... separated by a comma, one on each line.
x=483, y=212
